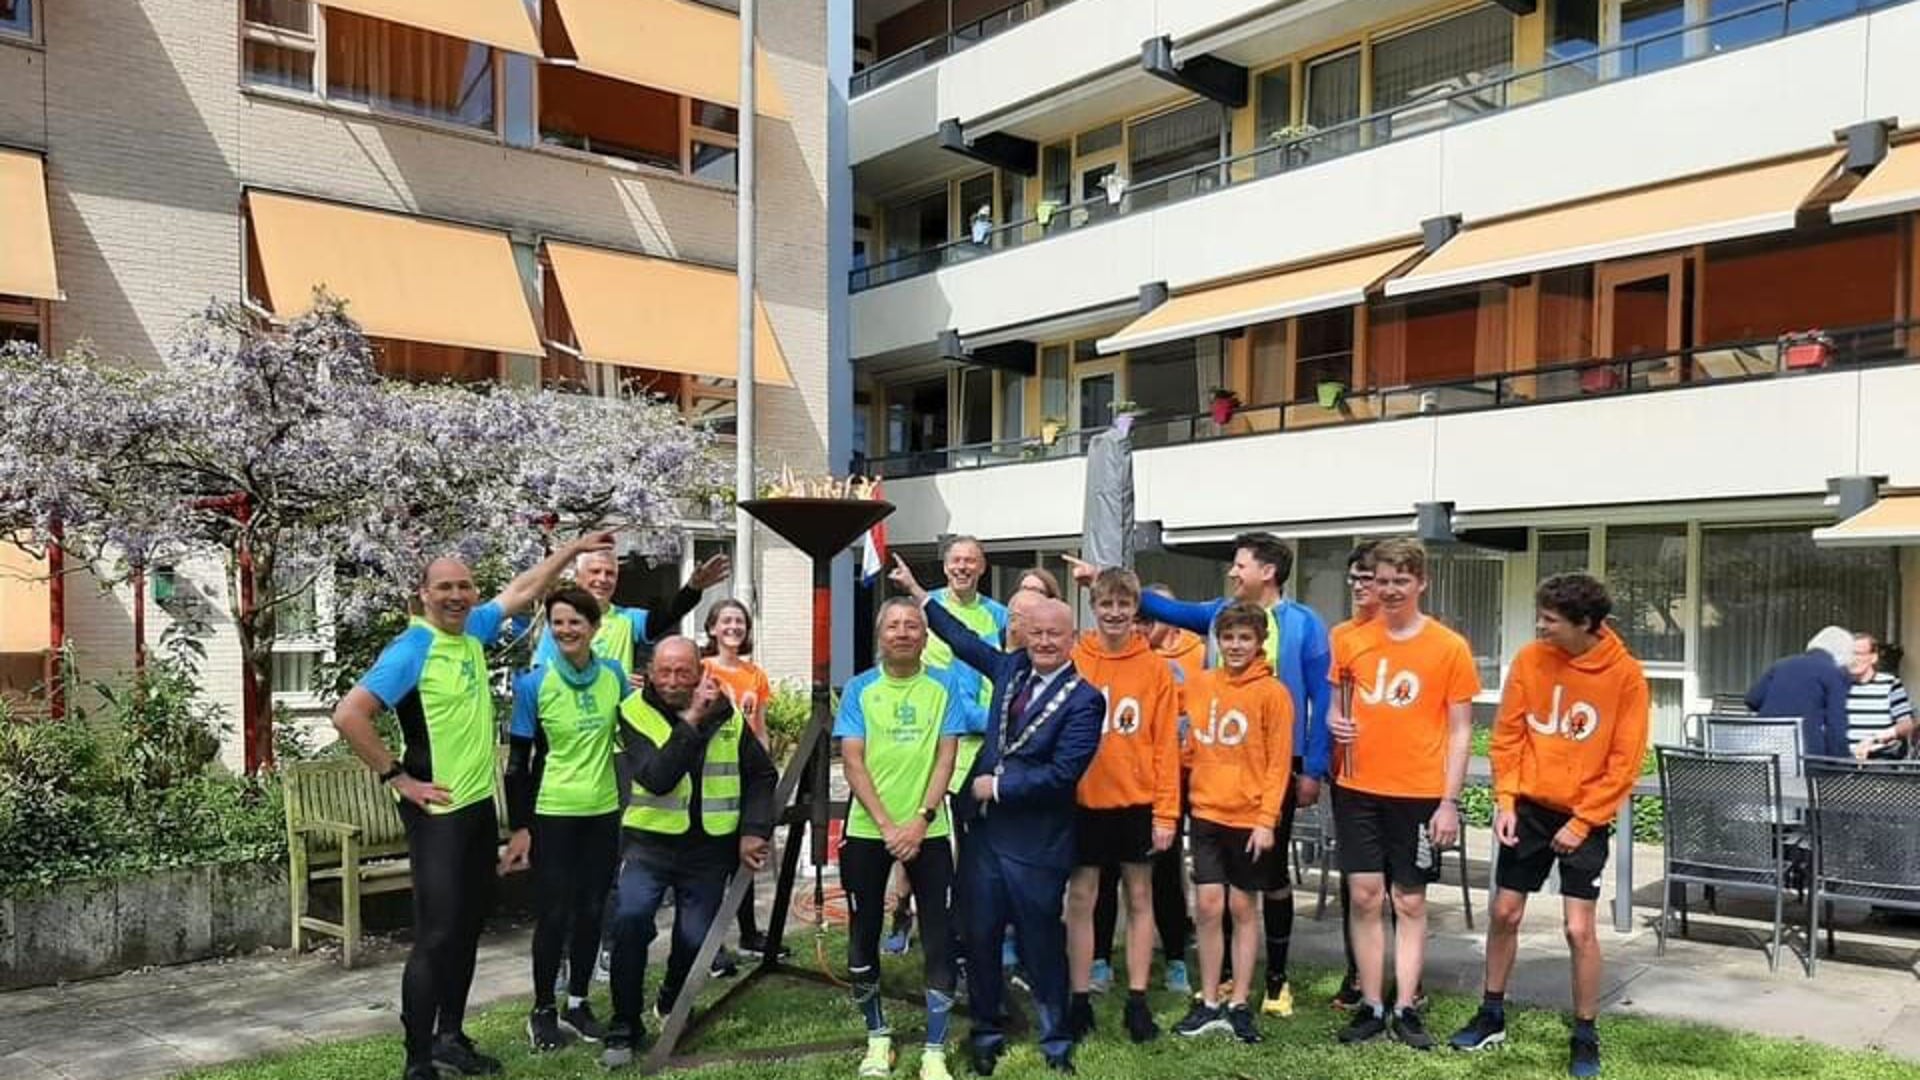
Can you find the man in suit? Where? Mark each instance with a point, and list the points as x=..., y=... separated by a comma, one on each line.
x=1043, y=728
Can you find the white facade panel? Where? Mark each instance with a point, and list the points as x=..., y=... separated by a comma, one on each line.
x=1008, y=502
x=1889, y=405
x=891, y=116
x=1893, y=64
x=1363, y=471
x=1055, y=50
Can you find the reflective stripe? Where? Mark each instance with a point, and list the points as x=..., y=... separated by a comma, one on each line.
x=721, y=768
x=659, y=802
x=720, y=788
x=720, y=804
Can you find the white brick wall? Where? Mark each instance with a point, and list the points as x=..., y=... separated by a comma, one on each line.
x=150, y=143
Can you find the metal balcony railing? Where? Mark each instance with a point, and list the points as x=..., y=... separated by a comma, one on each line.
x=1482, y=94
x=939, y=47
x=1872, y=345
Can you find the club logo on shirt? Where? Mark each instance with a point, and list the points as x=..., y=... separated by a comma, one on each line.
x=1228, y=730
x=906, y=722
x=1123, y=716
x=1398, y=691
x=1578, y=722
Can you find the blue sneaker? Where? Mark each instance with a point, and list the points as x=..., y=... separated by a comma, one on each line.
x=1584, y=1060
x=1009, y=956
x=896, y=944
x=1177, y=982
x=1102, y=978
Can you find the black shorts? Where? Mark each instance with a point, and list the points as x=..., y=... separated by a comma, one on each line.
x=1220, y=858
x=1110, y=837
x=1385, y=834
x=1525, y=866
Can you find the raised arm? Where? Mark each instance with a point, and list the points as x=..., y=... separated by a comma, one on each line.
x=664, y=619
x=525, y=590
x=1194, y=615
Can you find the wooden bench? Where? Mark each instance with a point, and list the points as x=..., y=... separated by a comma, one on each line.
x=343, y=827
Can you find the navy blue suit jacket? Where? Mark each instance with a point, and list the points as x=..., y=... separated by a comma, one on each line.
x=1033, y=820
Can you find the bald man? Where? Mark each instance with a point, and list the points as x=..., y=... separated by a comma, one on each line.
x=699, y=805
x=434, y=678
x=1043, y=728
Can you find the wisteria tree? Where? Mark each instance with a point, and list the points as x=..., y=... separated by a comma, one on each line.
x=285, y=452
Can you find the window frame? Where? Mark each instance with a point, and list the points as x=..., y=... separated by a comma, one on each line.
x=29, y=311
x=691, y=133
x=34, y=35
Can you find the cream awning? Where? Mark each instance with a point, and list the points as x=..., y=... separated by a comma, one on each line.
x=637, y=311
x=1748, y=202
x=505, y=23
x=1276, y=295
x=26, y=255
x=1893, y=187
x=25, y=602
x=402, y=277
x=1893, y=520
x=673, y=45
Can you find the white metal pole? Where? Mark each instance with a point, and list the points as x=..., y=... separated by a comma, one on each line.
x=743, y=546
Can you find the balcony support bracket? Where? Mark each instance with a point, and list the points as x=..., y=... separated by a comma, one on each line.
x=1209, y=76
x=998, y=149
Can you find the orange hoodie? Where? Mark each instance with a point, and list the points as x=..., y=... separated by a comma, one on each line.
x=1571, y=731
x=1242, y=739
x=1188, y=652
x=1139, y=759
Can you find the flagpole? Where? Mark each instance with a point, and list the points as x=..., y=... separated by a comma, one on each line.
x=744, y=569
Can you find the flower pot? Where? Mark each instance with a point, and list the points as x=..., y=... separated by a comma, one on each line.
x=1330, y=393
x=1223, y=410
x=1049, y=434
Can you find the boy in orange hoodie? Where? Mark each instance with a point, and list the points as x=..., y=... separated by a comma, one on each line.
x=1567, y=747
x=1129, y=798
x=1241, y=745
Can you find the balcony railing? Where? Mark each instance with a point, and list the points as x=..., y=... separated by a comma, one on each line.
x=908, y=61
x=1484, y=94
x=1730, y=362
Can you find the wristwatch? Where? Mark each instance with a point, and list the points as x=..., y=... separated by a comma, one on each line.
x=394, y=772
x=929, y=813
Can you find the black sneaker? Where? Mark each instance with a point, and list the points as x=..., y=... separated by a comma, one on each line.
x=456, y=1052
x=1349, y=997
x=1365, y=1025
x=543, y=1030
x=1140, y=1025
x=1485, y=1031
x=421, y=1072
x=618, y=1053
x=1200, y=1020
x=581, y=1021
x=755, y=945
x=724, y=965
x=1079, y=1018
x=1240, y=1019
x=1585, y=1059
x=1411, y=1031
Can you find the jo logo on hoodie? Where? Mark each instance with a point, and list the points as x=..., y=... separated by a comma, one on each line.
x=1228, y=730
x=1399, y=691
x=1578, y=722
x=1124, y=717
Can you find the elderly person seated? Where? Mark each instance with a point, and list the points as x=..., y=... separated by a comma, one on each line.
x=1879, y=713
x=1812, y=685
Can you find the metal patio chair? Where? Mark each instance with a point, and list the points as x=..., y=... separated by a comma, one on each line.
x=1864, y=818
x=1723, y=818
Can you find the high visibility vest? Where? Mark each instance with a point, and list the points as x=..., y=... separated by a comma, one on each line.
x=719, y=778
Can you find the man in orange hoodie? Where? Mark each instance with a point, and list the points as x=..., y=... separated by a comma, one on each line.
x=1129, y=798
x=1242, y=758
x=1402, y=724
x=1364, y=607
x=1567, y=747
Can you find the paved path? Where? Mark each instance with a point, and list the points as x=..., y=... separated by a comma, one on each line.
x=161, y=1022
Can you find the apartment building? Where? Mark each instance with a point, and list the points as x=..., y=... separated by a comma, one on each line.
x=557, y=179
x=1520, y=277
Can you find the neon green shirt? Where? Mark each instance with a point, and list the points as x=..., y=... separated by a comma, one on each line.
x=901, y=722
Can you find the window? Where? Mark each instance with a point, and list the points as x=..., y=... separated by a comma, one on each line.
x=976, y=405
x=713, y=146
x=1273, y=115
x=1333, y=99
x=1056, y=173
x=399, y=69
x=1432, y=339
x=1053, y=383
x=1013, y=204
x=1564, y=316
x=1173, y=143
x=1836, y=278
x=1561, y=553
x=975, y=196
x=1163, y=380
x=424, y=362
x=16, y=18
x=1573, y=35
x=1428, y=63
x=1765, y=592
x=279, y=44
x=1099, y=140
x=302, y=639
x=917, y=416
x=1647, y=575
x=584, y=111
x=1013, y=406
x=916, y=224
x=1269, y=364
x=1465, y=590
x=1650, y=22
x=1320, y=576
x=22, y=319
x=1325, y=352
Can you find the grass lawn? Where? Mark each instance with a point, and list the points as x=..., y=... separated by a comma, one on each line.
x=783, y=1011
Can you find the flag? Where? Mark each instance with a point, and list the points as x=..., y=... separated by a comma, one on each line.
x=873, y=548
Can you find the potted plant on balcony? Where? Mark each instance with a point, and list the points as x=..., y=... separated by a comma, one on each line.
x=1330, y=393
x=1050, y=428
x=1225, y=403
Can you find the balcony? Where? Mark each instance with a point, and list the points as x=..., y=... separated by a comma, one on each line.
x=1624, y=430
x=914, y=58
x=1783, y=76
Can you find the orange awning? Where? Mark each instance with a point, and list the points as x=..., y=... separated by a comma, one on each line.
x=505, y=23
x=1893, y=187
x=637, y=311
x=672, y=45
x=25, y=611
x=402, y=277
x=1893, y=520
x=1745, y=202
x=26, y=255
x=1276, y=295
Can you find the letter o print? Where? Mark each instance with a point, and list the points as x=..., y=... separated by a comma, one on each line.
x=1232, y=728
x=1124, y=717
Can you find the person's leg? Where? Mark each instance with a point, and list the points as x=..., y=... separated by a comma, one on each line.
x=636, y=903
x=479, y=853
x=1277, y=904
x=697, y=892
x=1137, y=879
x=1035, y=892
x=986, y=907
x=1369, y=894
x=1106, y=914
x=1503, y=940
x=554, y=871
x=931, y=877
x=1246, y=942
x=434, y=857
x=1209, y=907
x=1409, y=942
x=1584, y=944
x=864, y=867
x=1082, y=886
x=748, y=920
x=1170, y=901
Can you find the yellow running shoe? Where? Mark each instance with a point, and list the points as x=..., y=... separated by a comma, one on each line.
x=879, y=1059
x=933, y=1065
x=1278, y=1002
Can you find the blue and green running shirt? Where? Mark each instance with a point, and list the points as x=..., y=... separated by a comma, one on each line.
x=437, y=684
x=987, y=618
x=621, y=628
x=902, y=722
x=571, y=716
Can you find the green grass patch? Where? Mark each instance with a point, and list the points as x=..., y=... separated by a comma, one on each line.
x=781, y=1012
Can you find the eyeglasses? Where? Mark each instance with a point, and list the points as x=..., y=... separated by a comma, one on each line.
x=1359, y=579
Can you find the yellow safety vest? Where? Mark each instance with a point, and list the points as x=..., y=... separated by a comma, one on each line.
x=719, y=778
